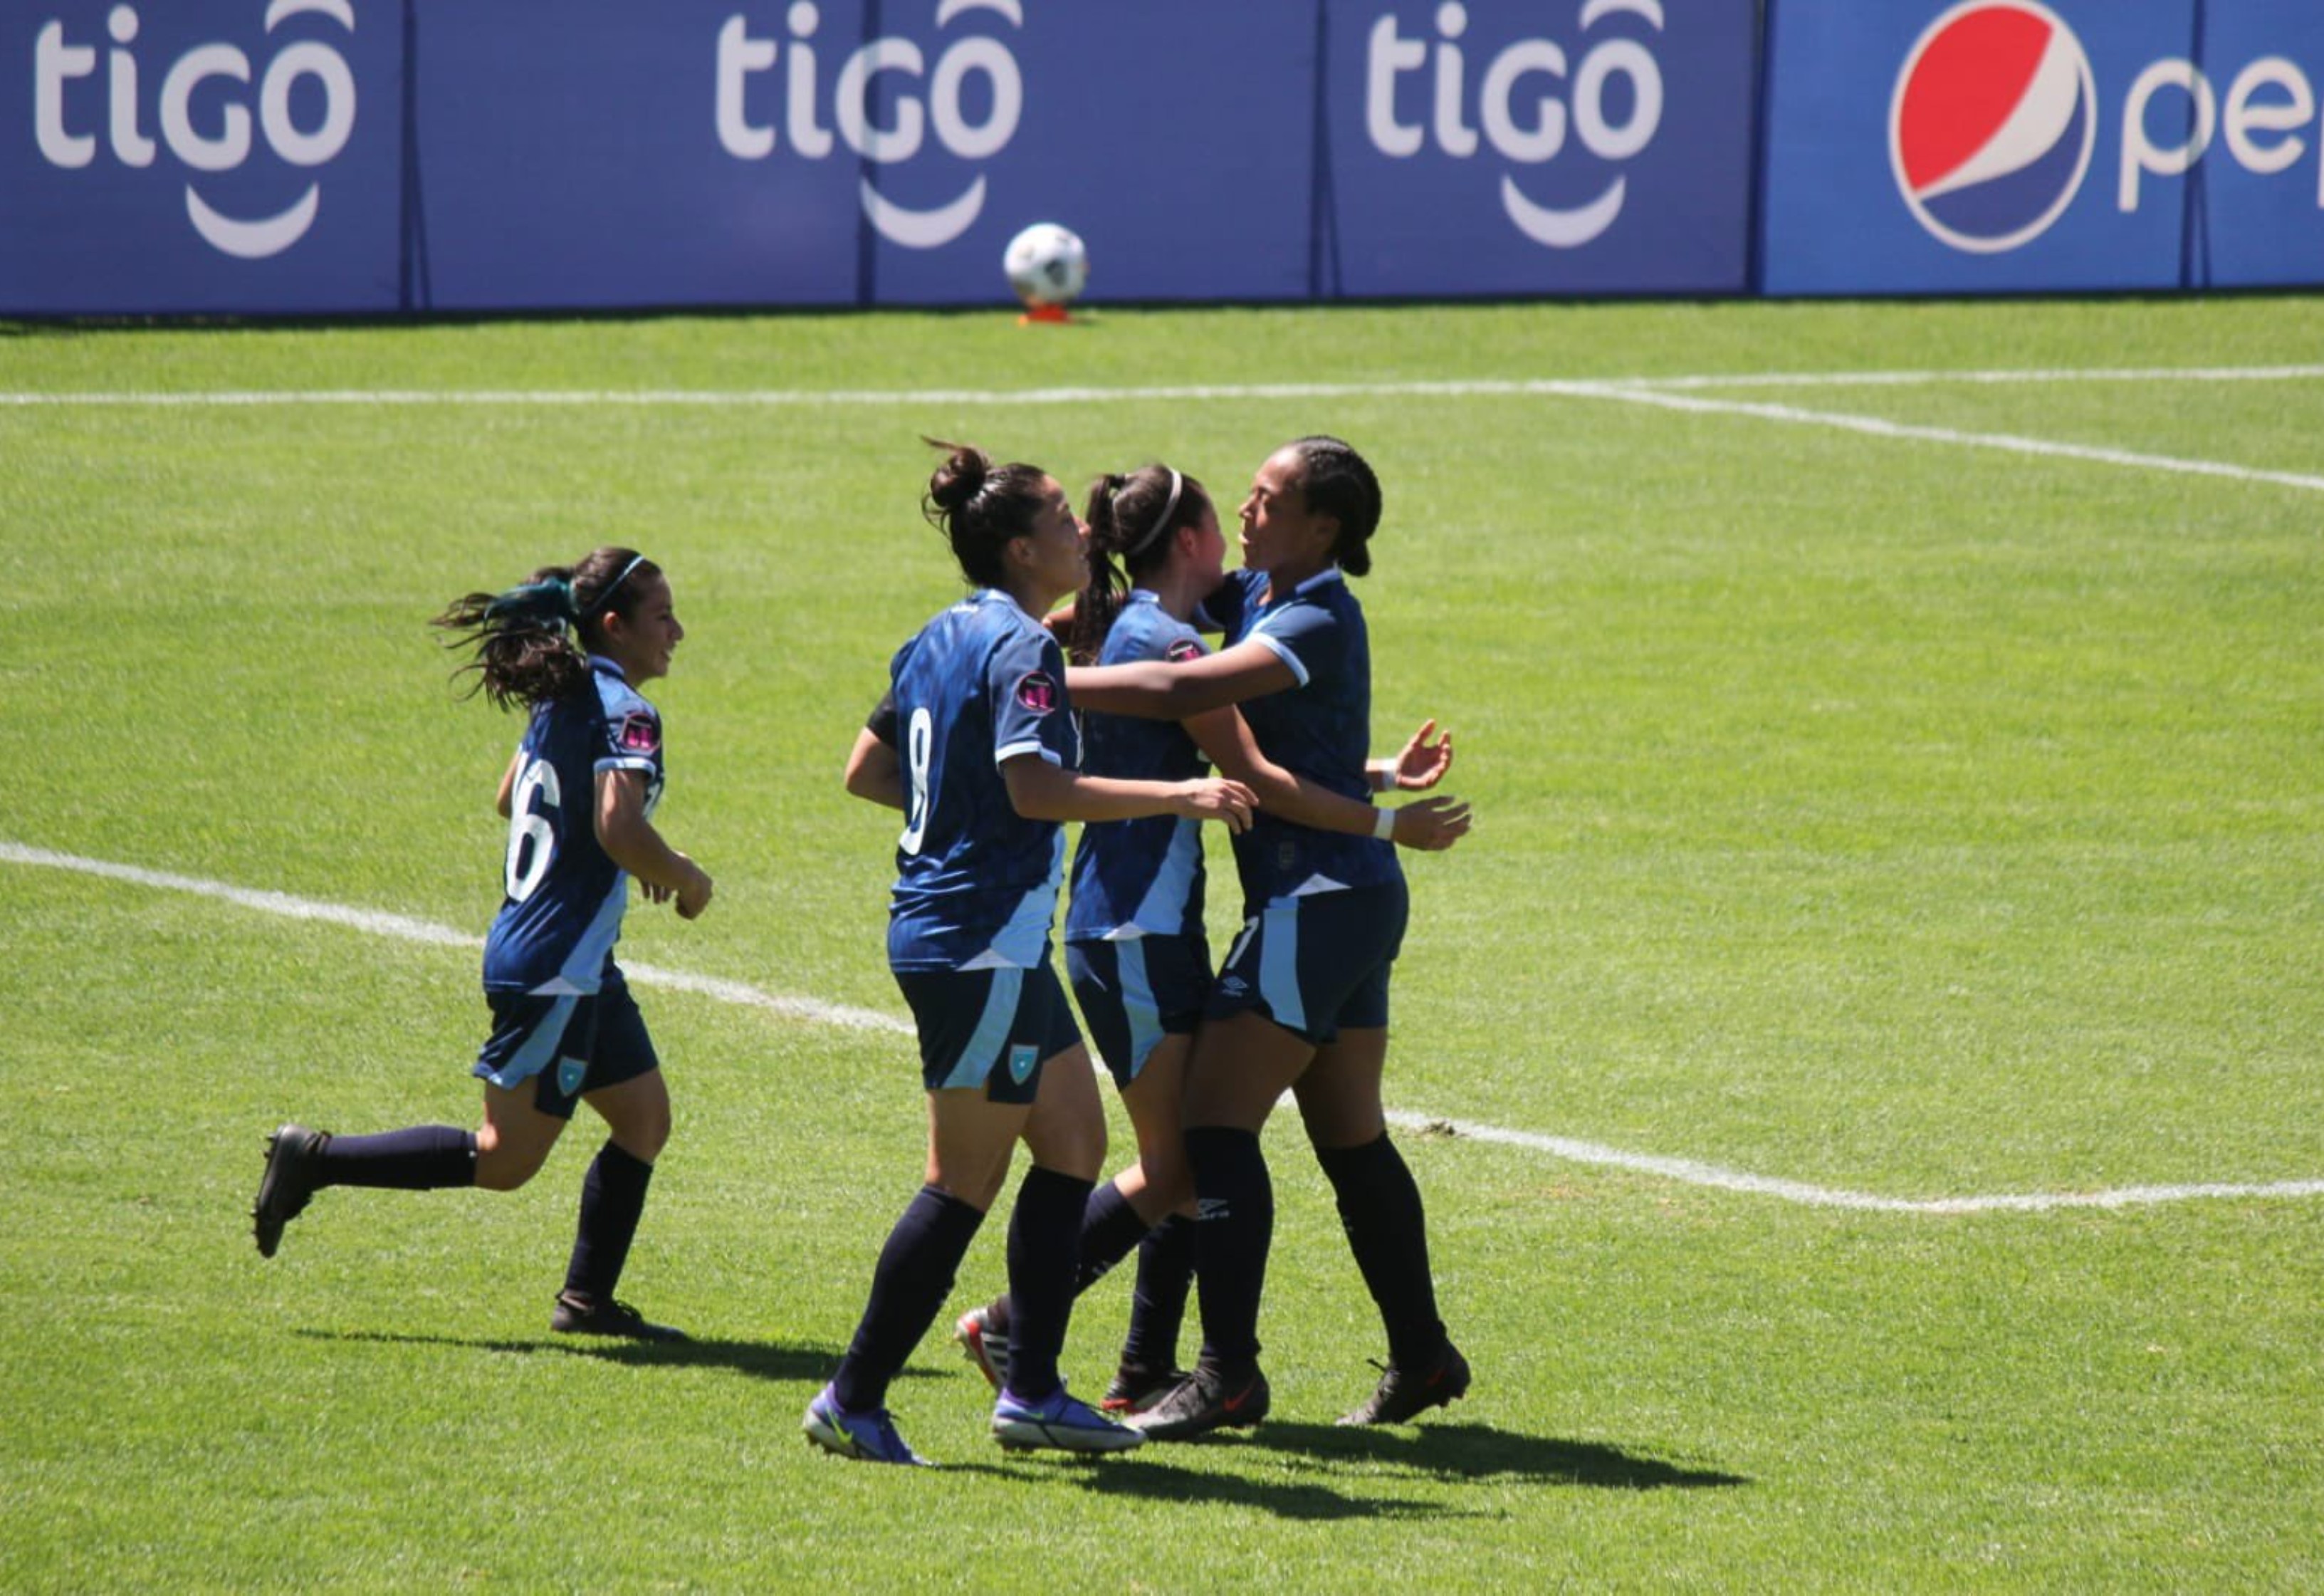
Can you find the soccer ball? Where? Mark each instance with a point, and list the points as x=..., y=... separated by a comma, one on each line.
x=1048, y=265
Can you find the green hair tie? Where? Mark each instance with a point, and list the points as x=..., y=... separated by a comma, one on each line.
x=548, y=599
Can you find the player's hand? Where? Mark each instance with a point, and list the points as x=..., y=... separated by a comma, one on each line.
x=1432, y=825
x=655, y=894
x=1422, y=763
x=1217, y=799
x=695, y=896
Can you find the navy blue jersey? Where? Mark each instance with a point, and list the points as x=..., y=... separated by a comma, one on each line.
x=1137, y=877
x=556, y=929
x=1320, y=729
x=976, y=882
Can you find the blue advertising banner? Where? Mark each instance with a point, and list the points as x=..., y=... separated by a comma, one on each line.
x=1502, y=147
x=181, y=158
x=2006, y=145
x=831, y=151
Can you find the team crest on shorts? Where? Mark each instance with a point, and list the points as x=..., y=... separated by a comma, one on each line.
x=638, y=733
x=570, y=1074
x=1037, y=691
x=1022, y=1061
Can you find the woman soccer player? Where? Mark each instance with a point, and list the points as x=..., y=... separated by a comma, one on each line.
x=1136, y=951
x=1302, y=1000
x=579, y=796
x=977, y=746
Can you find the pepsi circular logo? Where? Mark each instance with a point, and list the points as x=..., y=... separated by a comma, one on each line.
x=1992, y=125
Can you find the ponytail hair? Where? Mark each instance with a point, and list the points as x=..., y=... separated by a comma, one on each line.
x=980, y=505
x=1134, y=518
x=524, y=638
x=1336, y=481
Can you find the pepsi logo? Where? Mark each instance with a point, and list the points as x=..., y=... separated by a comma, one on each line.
x=1992, y=124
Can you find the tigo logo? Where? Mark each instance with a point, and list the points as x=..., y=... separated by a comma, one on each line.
x=1992, y=124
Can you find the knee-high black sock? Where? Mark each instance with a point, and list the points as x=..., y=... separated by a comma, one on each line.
x=1234, y=1226
x=1158, y=1307
x=1111, y=1228
x=908, y=1285
x=612, y=1197
x=421, y=1158
x=1045, y=1232
x=1379, y=1208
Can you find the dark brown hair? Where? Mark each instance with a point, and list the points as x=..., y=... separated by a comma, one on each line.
x=524, y=639
x=1130, y=518
x=1335, y=481
x=979, y=505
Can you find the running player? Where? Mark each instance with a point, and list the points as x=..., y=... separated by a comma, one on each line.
x=1303, y=1003
x=977, y=746
x=1135, y=950
x=579, y=796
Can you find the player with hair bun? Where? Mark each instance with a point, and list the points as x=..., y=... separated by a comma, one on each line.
x=572, y=645
x=977, y=745
x=1303, y=1002
x=1135, y=950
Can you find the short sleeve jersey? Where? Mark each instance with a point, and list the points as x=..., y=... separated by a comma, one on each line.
x=1139, y=878
x=562, y=910
x=976, y=882
x=1320, y=729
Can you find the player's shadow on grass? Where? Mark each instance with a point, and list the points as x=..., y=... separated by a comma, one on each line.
x=810, y=1364
x=1481, y=1451
x=1440, y=1452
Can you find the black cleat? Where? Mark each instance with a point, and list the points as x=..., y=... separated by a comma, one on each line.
x=1402, y=1397
x=578, y=1316
x=1134, y=1391
x=288, y=1183
x=1201, y=1402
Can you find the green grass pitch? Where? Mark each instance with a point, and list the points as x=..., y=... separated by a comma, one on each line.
x=1922, y=808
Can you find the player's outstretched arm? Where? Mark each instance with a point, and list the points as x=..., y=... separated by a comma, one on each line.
x=1419, y=765
x=630, y=841
x=1039, y=791
x=1224, y=738
x=1158, y=690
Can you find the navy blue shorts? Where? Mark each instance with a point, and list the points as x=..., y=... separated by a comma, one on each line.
x=1133, y=994
x=1317, y=964
x=988, y=1029
x=568, y=1046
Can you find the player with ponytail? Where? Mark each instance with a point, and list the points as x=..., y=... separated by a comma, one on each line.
x=572, y=646
x=976, y=743
x=1136, y=949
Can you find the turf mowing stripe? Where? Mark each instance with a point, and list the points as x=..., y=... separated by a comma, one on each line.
x=1686, y=1171
x=1990, y=441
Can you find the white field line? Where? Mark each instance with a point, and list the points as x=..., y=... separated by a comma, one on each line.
x=1479, y=388
x=813, y=1011
x=1873, y=427
x=1670, y=393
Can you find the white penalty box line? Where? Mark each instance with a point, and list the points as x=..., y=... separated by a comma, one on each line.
x=1682, y=393
x=814, y=1011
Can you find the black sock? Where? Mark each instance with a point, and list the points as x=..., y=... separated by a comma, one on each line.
x=1111, y=1228
x=1379, y=1208
x=1045, y=1232
x=612, y=1197
x=424, y=1157
x=1234, y=1226
x=1158, y=1307
x=910, y=1284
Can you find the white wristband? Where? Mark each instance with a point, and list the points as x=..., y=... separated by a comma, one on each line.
x=1382, y=778
x=1384, y=825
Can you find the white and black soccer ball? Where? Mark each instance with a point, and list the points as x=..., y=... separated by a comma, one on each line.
x=1048, y=265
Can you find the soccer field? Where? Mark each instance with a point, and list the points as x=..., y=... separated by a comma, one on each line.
x=1863, y=1069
